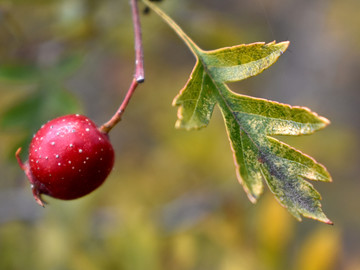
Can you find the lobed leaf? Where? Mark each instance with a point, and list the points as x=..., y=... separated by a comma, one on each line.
x=250, y=122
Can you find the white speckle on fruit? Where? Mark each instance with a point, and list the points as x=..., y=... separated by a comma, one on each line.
x=63, y=120
x=79, y=170
x=77, y=115
x=35, y=150
x=73, y=167
x=80, y=150
x=84, y=162
x=87, y=129
x=41, y=138
x=59, y=164
x=37, y=161
x=57, y=133
x=101, y=158
x=49, y=174
x=57, y=156
x=99, y=138
x=52, y=143
x=32, y=160
x=73, y=131
x=69, y=161
x=102, y=149
x=51, y=127
x=87, y=158
x=38, y=168
x=46, y=157
x=71, y=145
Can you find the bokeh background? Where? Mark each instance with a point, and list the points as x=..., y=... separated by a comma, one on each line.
x=172, y=200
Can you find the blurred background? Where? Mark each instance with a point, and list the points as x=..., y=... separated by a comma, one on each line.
x=172, y=200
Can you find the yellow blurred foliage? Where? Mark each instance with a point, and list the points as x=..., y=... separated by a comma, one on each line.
x=320, y=250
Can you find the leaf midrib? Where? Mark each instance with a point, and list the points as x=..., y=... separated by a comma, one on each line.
x=223, y=99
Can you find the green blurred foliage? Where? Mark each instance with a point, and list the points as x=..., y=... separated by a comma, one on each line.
x=172, y=200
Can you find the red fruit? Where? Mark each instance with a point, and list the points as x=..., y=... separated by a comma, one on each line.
x=68, y=158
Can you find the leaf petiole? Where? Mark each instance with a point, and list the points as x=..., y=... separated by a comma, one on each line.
x=188, y=41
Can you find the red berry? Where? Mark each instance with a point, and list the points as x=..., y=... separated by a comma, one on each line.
x=68, y=158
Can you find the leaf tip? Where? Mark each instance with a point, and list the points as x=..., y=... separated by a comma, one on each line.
x=325, y=220
x=325, y=121
x=282, y=46
x=329, y=222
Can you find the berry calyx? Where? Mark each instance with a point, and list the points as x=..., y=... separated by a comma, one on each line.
x=69, y=157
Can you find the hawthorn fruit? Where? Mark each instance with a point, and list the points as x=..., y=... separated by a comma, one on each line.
x=69, y=157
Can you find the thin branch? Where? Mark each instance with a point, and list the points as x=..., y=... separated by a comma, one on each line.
x=139, y=71
x=139, y=54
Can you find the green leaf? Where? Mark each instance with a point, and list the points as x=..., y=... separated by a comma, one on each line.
x=250, y=122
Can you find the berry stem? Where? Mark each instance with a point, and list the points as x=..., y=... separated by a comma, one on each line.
x=105, y=128
x=139, y=76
